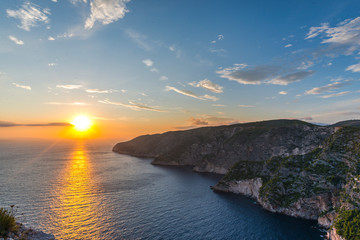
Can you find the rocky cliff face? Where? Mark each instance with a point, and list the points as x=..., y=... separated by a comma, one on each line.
x=216, y=149
x=317, y=185
x=288, y=166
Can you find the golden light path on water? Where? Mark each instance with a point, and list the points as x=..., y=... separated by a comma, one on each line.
x=77, y=207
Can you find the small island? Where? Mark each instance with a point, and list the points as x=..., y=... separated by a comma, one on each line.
x=289, y=166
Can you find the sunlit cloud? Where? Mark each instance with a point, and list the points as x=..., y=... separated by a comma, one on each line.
x=51, y=38
x=208, y=85
x=15, y=40
x=191, y=94
x=54, y=124
x=30, y=15
x=288, y=45
x=326, y=88
x=290, y=78
x=283, y=93
x=106, y=11
x=336, y=94
x=69, y=86
x=22, y=86
x=132, y=105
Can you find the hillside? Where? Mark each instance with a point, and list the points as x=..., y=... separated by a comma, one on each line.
x=216, y=149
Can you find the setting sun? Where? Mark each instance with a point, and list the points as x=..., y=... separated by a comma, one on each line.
x=81, y=123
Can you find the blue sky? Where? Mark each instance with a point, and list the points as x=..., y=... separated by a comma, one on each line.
x=178, y=64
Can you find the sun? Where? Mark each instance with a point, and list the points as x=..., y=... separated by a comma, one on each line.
x=81, y=123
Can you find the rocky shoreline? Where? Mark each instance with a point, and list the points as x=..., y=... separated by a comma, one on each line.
x=25, y=233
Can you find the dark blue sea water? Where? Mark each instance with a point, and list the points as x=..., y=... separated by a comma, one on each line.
x=82, y=190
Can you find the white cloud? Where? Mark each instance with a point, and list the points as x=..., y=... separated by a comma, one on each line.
x=54, y=0
x=305, y=65
x=208, y=85
x=354, y=68
x=154, y=70
x=191, y=94
x=288, y=45
x=98, y=91
x=50, y=38
x=69, y=86
x=30, y=15
x=106, y=11
x=148, y=62
x=15, y=40
x=133, y=105
x=22, y=86
x=164, y=78
x=326, y=88
x=283, y=93
x=336, y=94
x=344, y=37
x=220, y=37
x=52, y=64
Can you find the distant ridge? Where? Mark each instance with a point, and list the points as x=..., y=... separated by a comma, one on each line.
x=347, y=123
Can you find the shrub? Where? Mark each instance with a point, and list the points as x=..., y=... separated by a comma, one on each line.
x=7, y=221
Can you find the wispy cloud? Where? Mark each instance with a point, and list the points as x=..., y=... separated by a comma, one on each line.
x=50, y=38
x=262, y=74
x=15, y=40
x=106, y=11
x=164, y=78
x=291, y=77
x=245, y=106
x=30, y=15
x=132, y=105
x=288, y=45
x=326, y=88
x=22, y=86
x=208, y=85
x=191, y=94
x=52, y=64
x=354, y=68
x=69, y=86
x=54, y=124
x=218, y=38
x=140, y=39
x=100, y=91
x=283, y=93
x=336, y=94
x=69, y=104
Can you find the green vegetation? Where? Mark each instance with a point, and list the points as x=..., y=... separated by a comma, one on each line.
x=244, y=170
x=7, y=221
x=347, y=224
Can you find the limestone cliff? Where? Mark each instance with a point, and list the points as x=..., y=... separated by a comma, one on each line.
x=216, y=149
x=321, y=185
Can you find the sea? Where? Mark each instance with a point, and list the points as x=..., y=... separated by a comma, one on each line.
x=83, y=190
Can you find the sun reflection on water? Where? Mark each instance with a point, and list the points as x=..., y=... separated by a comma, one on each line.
x=77, y=205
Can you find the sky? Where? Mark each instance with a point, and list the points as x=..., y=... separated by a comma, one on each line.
x=138, y=66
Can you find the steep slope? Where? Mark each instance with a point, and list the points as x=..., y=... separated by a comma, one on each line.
x=216, y=149
x=323, y=184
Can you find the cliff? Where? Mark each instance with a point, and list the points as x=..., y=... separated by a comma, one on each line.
x=322, y=185
x=288, y=166
x=216, y=149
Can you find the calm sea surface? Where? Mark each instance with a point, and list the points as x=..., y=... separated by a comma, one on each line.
x=82, y=190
